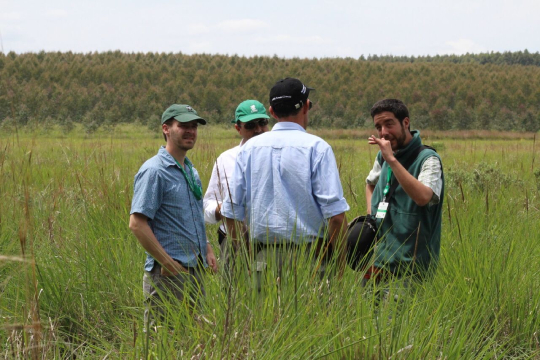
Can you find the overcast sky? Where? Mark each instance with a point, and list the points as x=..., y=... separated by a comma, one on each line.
x=284, y=28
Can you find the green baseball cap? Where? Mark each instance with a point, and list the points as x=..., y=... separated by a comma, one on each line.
x=182, y=113
x=250, y=110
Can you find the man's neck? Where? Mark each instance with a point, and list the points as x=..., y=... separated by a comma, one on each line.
x=408, y=140
x=178, y=154
x=294, y=119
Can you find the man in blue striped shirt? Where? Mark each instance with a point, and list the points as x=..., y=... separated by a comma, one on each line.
x=286, y=181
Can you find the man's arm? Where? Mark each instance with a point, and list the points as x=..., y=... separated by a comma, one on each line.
x=236, y=236
x=337, y=227
x=211, y=257
x=418, y=192
x=371, y=181
x=369, y=194
x=234, y=200
x=212, y=198
x=138, y=224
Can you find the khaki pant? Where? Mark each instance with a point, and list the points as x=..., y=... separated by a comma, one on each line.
x=159, y=290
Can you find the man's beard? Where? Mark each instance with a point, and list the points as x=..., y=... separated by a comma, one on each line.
x=400, y=141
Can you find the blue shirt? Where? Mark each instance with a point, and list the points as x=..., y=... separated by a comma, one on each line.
x=287, y=183
x=162, y=193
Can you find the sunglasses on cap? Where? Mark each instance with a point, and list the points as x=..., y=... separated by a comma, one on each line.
x=250, y=125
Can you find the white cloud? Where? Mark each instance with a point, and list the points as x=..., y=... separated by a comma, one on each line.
x=243, y=25
x=56, y=14
x=462, y=46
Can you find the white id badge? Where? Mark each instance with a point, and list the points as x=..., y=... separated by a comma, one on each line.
x=381, y=210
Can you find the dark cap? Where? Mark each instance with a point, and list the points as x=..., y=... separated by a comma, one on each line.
x=182, y=113
x=289, y=94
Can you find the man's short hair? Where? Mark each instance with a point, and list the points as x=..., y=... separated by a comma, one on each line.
x=395, y=106
x=284, y=111
x=169, y=124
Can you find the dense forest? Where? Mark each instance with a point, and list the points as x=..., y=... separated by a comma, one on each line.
x=498, y=91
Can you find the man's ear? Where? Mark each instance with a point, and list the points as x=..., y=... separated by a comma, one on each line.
x=165, y=129
x=406, y=123
x=237, y=128
x=305, y=108
x=271, y=111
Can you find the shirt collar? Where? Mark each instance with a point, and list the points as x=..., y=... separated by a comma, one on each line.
x=167, y=158
x=287, y=125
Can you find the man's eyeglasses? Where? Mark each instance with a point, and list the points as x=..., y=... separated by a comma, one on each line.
x=250, y=125
x=310, y=104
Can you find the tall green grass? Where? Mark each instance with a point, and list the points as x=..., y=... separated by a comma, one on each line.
x=71, y=272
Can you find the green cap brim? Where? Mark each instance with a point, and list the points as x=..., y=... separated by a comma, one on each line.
x=190, y=117
x=251, y=117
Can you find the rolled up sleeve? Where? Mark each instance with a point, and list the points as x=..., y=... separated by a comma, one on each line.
x=373, y=177
x=431, y=176
x=147, y=193
x=326, y=186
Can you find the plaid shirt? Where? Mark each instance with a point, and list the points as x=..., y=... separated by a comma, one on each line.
x=162, y=194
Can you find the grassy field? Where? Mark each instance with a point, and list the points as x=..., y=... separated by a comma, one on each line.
x=71, y=272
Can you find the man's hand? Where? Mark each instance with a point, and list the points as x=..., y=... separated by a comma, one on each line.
x=384, y=145
x=172, y=269
x=217, y=212
x=211, y=258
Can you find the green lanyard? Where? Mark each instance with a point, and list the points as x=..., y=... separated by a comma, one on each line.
x=195, y=188
x=387, y=188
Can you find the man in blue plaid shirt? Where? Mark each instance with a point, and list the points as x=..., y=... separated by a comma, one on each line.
x=167, y=216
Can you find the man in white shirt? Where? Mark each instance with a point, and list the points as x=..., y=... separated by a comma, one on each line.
x=250, y=120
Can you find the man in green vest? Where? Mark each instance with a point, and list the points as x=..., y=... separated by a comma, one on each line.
x=409, y=218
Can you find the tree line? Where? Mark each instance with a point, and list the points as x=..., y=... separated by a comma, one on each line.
x=496, y=91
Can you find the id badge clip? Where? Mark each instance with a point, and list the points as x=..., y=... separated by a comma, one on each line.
x=381, y=210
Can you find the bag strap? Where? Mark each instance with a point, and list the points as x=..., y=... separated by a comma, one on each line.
x=407, y=164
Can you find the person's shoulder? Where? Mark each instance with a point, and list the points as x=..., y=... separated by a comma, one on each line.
x=154, y=163
x=317, y=142
x=260, y=140
x=429, y=151
x=152, y=166
x=232, y=152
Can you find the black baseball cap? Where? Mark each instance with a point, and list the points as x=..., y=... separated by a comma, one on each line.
x=289, y=94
